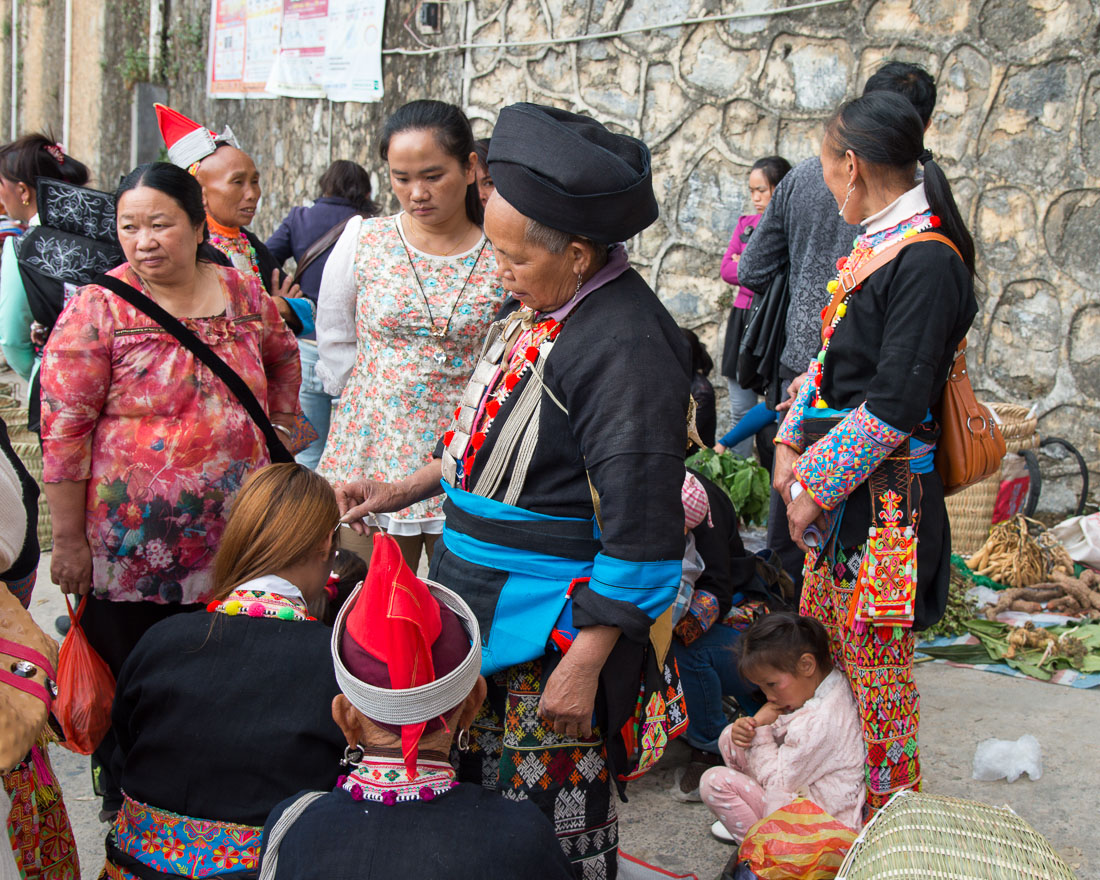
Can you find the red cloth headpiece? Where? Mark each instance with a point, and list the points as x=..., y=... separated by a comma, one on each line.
x=186, y=140
x=398, y=636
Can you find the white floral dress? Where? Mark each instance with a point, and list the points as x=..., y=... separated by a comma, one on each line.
x=398, y=383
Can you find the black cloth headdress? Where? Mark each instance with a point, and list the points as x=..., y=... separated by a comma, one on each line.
x=570, y=173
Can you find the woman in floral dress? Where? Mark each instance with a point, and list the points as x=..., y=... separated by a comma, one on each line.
x=143, y=447
x=404, y=304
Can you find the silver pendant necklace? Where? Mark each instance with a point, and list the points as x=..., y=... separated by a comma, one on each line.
x=437, y=326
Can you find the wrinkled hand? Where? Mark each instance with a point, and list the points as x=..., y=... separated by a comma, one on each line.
x=719, y=448
x=285, y=288
x=742, y=731
x=570, y=698
x=768, y=714
x=792, y=392
x=71, y=565
x=358, y=499
x=783, y=470
x=800, y=513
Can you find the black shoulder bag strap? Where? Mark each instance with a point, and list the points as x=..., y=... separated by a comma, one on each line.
x=275, y=448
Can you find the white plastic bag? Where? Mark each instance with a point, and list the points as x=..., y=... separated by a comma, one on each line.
x=1005, y=759
x=1080, y=535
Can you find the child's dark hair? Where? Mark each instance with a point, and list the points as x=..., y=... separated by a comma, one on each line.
x=780, y=639
x=350, y=570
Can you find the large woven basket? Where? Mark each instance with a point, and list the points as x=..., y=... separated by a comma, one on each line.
x=919, y=836
x=31, y=455
x=971, y=515
x=1018, y=426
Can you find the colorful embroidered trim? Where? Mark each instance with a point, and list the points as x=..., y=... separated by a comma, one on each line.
x=260, y=603
x=700, y=617
x=790, y=431
x=387, y=781
x=175, y=844
x=835, y=465
x=235, y=245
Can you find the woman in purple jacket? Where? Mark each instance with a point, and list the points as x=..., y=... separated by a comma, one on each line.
x=763, y=179
x=345, y=193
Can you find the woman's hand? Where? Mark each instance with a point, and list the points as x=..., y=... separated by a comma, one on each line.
x=719, y=448
x=363, y=497
x=569, y=697
x=71, y=565
x=800, y=513
x=284, y=288
x=792, y=392
x=742, y=731
x=783, y=470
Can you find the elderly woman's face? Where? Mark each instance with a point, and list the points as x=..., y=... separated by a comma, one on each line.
x=539, y=279
x=428, y=181
x=156, y=235
x=230, y=186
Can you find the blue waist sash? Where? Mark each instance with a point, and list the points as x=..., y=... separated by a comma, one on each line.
x=535, y=561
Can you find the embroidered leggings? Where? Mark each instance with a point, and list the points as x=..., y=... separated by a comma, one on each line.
x=878, y=661
x=511, y=750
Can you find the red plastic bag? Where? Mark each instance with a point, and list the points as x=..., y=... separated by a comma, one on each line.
x=85, y=689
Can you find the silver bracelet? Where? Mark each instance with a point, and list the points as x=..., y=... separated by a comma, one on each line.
x=283, y=428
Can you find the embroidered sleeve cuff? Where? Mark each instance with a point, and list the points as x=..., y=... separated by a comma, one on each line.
x=303, y=310
x=835, y=465
x=629, y=595
x=790, y=431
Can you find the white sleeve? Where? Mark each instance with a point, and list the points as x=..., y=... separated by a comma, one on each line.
x=336, y=311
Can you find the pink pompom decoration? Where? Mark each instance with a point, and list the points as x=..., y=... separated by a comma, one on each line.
x=256, y=610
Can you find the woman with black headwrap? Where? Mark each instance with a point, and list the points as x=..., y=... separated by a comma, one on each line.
x=562, y=471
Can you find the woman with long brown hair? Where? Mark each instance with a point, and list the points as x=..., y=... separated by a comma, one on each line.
x=220, y=716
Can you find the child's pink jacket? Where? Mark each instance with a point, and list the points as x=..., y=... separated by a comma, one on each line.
x=816, y=752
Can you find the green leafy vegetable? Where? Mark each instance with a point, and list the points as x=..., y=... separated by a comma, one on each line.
x=745, y=482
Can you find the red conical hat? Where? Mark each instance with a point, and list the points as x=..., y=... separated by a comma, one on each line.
x=187, y=141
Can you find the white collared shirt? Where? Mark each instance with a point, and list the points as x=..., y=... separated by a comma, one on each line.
x=902, y=208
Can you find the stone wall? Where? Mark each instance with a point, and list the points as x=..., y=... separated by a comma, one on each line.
x=1017, y=128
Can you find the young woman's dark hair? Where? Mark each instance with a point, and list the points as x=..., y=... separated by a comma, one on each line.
x=910, y=80
x=779, y=639
x=700, y=359
x=35, y=155
x=174, y=182
x=349, y=180
x=884, y=129
x=452, y=133
x=775, y=168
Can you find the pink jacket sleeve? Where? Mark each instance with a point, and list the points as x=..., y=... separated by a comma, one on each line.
x=75, y=377
x=729, y=264
x=802, y=759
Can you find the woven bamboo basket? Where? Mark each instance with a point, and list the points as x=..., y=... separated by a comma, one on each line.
x=971, y=515
x=922, y=836
x=31, y=455
x=1018, y=427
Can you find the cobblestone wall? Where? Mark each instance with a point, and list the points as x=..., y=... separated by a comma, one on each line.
x=1017, y=128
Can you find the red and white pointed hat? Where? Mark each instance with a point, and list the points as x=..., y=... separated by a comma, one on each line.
x=186, y=140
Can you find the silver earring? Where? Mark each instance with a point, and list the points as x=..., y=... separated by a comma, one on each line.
x=577, y=289
x=352, y=755
x=462, y=741
x=851, y=186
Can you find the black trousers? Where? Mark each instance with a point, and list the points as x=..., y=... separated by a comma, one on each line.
x=113, y=630
x=779, y=533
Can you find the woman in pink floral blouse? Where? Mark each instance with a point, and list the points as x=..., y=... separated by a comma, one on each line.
x=404, y=305
x=143, y=447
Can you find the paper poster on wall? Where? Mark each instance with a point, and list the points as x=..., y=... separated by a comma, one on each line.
x=296, y=48
x=244, y=40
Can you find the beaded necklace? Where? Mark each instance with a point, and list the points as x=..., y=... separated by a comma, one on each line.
x=260, y=603
x=523, y=356
x=387, y=780
x=864, y=248
x=232, y=242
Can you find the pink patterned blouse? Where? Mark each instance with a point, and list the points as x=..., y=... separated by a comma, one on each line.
x=162, y=443
x=380, y=300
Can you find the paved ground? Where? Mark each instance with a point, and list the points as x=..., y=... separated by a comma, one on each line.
x=960, y=707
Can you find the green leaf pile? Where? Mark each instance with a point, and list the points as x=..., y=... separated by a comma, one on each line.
x=742, y=479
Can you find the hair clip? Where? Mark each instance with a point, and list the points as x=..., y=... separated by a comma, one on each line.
x=57, y=152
